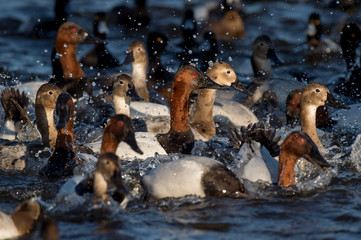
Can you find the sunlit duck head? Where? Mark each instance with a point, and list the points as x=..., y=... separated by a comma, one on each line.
x=106, y=176
x=202, y=120
x=69, y=36
x=180, y=138
x=123, y=91
x=230, y=27
x=315, y=95
x=350, y=40
x=62, y=163
x=293, y=110
x=137, y=56
x=262, y=55
x=45, y=102
x=295, y=146
x=21, y=221
x=119, y=128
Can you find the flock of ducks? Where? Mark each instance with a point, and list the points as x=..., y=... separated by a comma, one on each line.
x=151, y=111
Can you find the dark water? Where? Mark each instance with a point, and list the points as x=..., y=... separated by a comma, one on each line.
x=332, y=212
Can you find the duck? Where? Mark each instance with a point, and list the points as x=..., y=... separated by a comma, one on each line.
x=230, y=27
x=315, y=95
x=201, y=176
x=350, y=40
x=62, y=162
x=72, y=79
x=21, y=221
x=131, y=18
x=293, y=110
x=100, y=56
x=137, y=57
x=316, y=45
x=45, y=102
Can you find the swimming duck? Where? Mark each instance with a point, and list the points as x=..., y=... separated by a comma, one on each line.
x=293, y=110
x=73, y=79
x=316, y=45
x=201, y=176
x=45, y=103
x=62, y=162
x=99, y=56
x=315, y=95
x=259, y=146
x=230, y=27
x=20, y=222
x=137, y=56
x=350, y=39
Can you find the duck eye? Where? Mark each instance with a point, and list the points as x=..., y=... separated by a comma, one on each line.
x=301, y=140
x=121, y=82
x=228, y=72
x=317, y=90
x=50, y=92
x=73, y=30
x=69, y=101
x=138, y=49
x=120, y=123
x=107, y=162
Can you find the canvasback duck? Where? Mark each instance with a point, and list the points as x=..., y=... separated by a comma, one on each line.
x=259, y=146
x=137, y=56
x=45, y=102
x=350, y=40
x=21, y=221
x=73, y=79
x=317, y=47
x=201, y=176
x=17, y=120
x=293, y=110
x=315, y=95
x=230, y=27
x=99, y=56
x=62, y=162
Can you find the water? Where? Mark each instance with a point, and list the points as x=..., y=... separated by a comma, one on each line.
x=326, y=212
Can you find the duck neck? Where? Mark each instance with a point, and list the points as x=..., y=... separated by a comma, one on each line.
x=69, y=62
x=286, y=173
x=100, y=186
x=261, y=67
x=181, y=89
x=121, y=105
x=139, y=75
x=24, y=223
x=65, y=138
x=202, y=120
x=46, y=125
x=308, y=122
x=109, y=143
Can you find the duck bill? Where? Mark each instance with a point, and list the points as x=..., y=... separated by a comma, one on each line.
x=209, y=83
x=130, y=139
x=239, y=87
x=273, y=57
x=128, y=59
x=332, y=102
x=133, y=94
x=316, y=158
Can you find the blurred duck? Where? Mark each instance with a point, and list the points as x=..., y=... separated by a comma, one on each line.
x=201, y=176
x=230, y=27
x=100, y=56
x=21, y=221
x=316, y=45
x=350, y=40
x=293, y=110
x=315, y=95
x=136, y=17
x=62, y=162
x=72, y=78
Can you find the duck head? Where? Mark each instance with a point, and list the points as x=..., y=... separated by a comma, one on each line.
x=64, y=110
x=25, y=215
x=223, y=74
x=136, y=53
x=72, y=34
x=119, y=128
x=123, y=86
x=100, y=27
x=296, y=145
x=263, y=54
x=107, y=175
